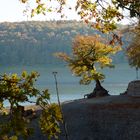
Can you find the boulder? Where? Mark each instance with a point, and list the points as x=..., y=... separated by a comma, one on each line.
x=134, y=88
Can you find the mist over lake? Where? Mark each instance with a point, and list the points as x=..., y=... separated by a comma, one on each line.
x=116, y=80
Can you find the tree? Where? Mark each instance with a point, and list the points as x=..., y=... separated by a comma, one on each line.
x=100, y=14
x=133, y=50
x=15, y=121
x=132, y=5
x=89, y=55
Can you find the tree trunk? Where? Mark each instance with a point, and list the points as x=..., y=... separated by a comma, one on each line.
x=98, y=91
x=98, y=84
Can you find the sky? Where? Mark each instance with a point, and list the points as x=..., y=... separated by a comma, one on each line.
x=12, y=11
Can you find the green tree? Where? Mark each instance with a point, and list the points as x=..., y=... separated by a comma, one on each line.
x=89, y=55
x=15, y=121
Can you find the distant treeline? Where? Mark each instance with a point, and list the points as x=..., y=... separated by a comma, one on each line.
x=35, y=42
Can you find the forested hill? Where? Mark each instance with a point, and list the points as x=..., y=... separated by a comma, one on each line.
x=35, y=42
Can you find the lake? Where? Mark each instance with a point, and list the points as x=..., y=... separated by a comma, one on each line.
x=116, y=80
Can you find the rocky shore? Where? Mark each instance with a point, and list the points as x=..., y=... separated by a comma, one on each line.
x=103, y=118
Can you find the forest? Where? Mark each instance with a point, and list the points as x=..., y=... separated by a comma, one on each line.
x=35, y=42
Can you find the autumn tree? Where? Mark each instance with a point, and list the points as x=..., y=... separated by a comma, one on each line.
x=133, y=6
x=89, y=55
x=15, y=121
x=133, y=49
x=100, y=14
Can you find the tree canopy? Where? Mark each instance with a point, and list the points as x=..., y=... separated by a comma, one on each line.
x=15, y=121
x=89, y=54
x=100, y=14
x=133, y=50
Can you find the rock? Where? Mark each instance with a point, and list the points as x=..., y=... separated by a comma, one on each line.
x=134, y=88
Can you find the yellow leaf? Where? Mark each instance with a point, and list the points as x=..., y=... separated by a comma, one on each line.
x=14, y=138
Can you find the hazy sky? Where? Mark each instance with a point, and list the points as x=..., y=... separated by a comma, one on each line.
x=12, y=10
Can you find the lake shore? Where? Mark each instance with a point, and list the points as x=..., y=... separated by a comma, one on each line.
x=102, y=118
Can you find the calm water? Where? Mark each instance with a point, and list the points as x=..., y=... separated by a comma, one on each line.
x=116, y=80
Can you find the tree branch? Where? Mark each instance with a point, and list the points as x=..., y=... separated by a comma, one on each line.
x=128, y=8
